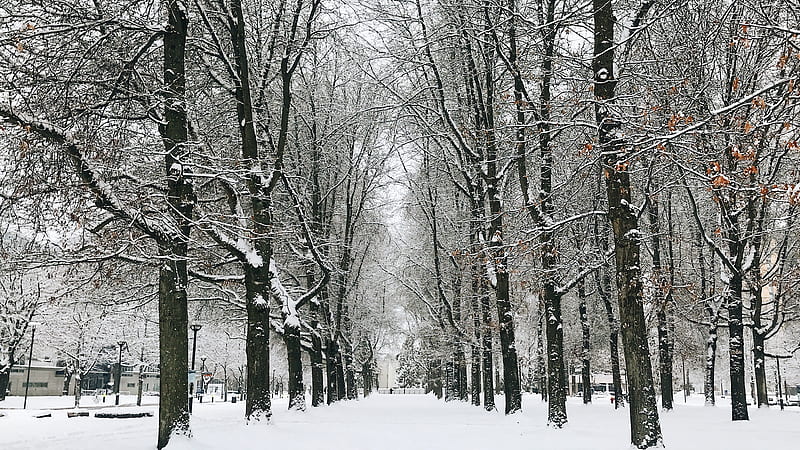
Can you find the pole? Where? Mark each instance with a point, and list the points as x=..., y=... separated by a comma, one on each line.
x=780, y=391
x=195, y=328
x=193, y=386
x=119, y=374
x=141, y=369
x=683, y=372
x=28, y=378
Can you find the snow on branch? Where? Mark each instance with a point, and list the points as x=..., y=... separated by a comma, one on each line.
x=103, y=192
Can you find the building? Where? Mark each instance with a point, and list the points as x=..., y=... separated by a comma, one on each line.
x=601, y=382
x=45, y=379
x=387, y=371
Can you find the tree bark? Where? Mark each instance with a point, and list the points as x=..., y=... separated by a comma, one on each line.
x=660, y=303
x=173, y=413
x=296, y=389
x=488, y=366
x=331, y=349
x=4, y=376
x=586, y=369
x=644, y=421
x=258, y=404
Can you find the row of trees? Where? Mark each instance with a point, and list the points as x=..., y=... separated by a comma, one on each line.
x=663, y=148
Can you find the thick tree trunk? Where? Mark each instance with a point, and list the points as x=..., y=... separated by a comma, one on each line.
x=736, y=346
x=449, y=380
x=294, y=354
x=664, y=360
x=556, y=374
x=461, y=373
x=367, y=377
x=644, y=421
x=258, y=404
x=758, y=366
x=173, y=411
x=350, y=374
x=257, y=275
x=586, y=346
x=173, y=407
x=331, y=349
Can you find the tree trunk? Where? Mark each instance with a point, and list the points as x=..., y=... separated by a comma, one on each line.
x=317, y=365
x=258, y=405
x=758, y=360
x=77, y=391
x=556, y=374
x=341, y=384
x=67, y=379
x=351, y=390
x=476, y=334
x=257, y=276
x=488, y=366
x=586, y=370
x=644, y=421
x=294, y=354
x=710, y=361
x=541, y=364
x=366, y=376
x=4, y=376
x=660, y=303
x=737, y=364
x=173, y=407
x=173, y=412
x=331, y=349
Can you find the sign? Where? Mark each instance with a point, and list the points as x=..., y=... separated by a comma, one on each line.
x=207, y=376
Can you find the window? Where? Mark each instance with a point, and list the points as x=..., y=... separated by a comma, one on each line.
x=35, y=384
x=17, y=370
x=131, y=384
x=61, y=373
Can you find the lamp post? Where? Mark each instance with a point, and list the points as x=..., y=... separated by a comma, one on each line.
x=195, y=327
x=30, y=357
x=119, y=372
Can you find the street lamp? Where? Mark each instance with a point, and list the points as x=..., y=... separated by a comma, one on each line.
x=30, y=357
x=195, y=328
x=119, y=371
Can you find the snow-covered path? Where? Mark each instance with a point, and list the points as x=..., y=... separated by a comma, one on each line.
x=407, y=422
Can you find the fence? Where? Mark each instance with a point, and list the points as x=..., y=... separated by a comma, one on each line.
x=401, y=391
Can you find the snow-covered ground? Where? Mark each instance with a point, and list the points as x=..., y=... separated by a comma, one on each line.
x=393, y=422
